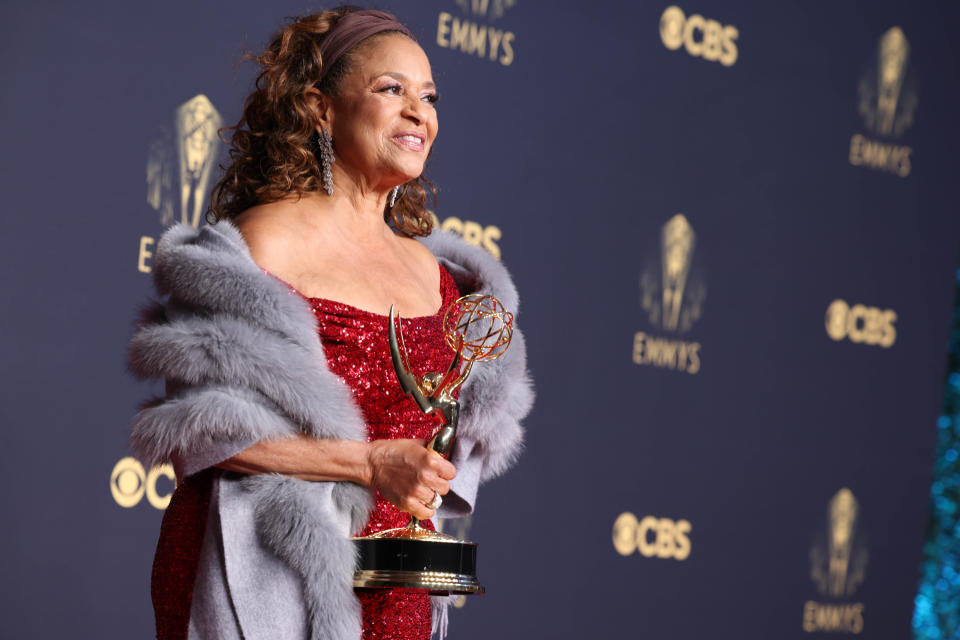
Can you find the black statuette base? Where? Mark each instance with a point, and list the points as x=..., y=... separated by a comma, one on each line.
x=441, y=568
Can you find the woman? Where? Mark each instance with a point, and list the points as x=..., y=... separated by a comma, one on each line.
x=286, y=445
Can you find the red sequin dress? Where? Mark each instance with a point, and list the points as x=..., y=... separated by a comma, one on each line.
x=355, y=344
x=356, y=348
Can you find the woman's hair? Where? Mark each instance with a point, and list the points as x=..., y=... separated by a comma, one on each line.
x=272, y=147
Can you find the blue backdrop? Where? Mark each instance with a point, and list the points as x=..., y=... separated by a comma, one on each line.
x=734, y=230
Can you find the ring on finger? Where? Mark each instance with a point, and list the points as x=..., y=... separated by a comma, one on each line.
x=435, y=502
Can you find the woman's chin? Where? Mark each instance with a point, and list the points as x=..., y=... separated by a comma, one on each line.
x=407, y=168
x=408, y=174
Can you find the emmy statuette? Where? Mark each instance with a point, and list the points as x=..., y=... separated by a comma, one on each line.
x=476, y=327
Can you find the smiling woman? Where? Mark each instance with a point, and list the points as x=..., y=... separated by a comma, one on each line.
x=283, y=418
x=300, y=65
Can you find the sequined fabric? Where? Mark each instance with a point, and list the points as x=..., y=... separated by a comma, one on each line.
x=356, y=347
x=178, y=553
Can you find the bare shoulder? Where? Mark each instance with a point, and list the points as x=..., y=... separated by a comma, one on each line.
x=270, y=232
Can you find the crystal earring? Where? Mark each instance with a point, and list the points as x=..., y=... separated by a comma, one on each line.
x=393, y=196
x=325, y=146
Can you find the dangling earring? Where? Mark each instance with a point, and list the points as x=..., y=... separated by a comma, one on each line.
x=325, y=146
x=393, y=196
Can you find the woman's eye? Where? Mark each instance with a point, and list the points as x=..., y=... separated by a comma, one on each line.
x=432, y=98
x=393, y=88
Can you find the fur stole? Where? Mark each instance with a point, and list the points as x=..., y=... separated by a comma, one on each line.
x=243, y=363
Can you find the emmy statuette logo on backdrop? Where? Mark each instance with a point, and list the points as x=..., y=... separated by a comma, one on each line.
x=189, y=153
x=672, y=294
x=838, y=564
x=197, y=142
x=888, y=104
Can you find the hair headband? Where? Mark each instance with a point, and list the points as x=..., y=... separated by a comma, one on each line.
x=350, y=30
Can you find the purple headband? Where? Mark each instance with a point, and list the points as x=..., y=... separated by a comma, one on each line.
x=350, y=30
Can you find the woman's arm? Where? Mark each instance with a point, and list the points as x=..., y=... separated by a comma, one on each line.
x=404, y=471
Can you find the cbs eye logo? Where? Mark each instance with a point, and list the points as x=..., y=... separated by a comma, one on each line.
x=861, y=324
x=130, y=482
x=652, y=537
x=702, y=38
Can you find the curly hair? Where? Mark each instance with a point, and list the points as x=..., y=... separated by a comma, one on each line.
x=272, y=146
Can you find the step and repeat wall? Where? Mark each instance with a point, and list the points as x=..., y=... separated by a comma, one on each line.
x=734, y=228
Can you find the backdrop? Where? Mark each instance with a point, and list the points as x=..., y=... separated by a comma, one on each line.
x=733, y=226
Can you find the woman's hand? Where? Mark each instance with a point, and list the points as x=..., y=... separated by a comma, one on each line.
x=404, y=471
x=407, y=473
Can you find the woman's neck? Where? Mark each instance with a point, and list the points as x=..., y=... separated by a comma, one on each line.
x=356, y=215
x=360, y=195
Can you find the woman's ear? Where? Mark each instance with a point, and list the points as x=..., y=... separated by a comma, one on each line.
x=321, y=107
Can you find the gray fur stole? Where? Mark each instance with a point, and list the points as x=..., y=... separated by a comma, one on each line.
x=243, y=362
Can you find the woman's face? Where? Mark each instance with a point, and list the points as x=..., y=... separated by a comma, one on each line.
x=383, y=121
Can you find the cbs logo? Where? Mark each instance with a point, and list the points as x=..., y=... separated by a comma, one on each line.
x=702, y=38
x=129, y=482
x=860, y=323
x=472, y=232
x=651, y=536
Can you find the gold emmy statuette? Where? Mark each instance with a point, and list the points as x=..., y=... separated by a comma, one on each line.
x=476, y=327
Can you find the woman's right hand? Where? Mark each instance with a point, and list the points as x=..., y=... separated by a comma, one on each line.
x=407, y=473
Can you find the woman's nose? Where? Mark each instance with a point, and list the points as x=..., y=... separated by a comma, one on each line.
x=414, y=110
